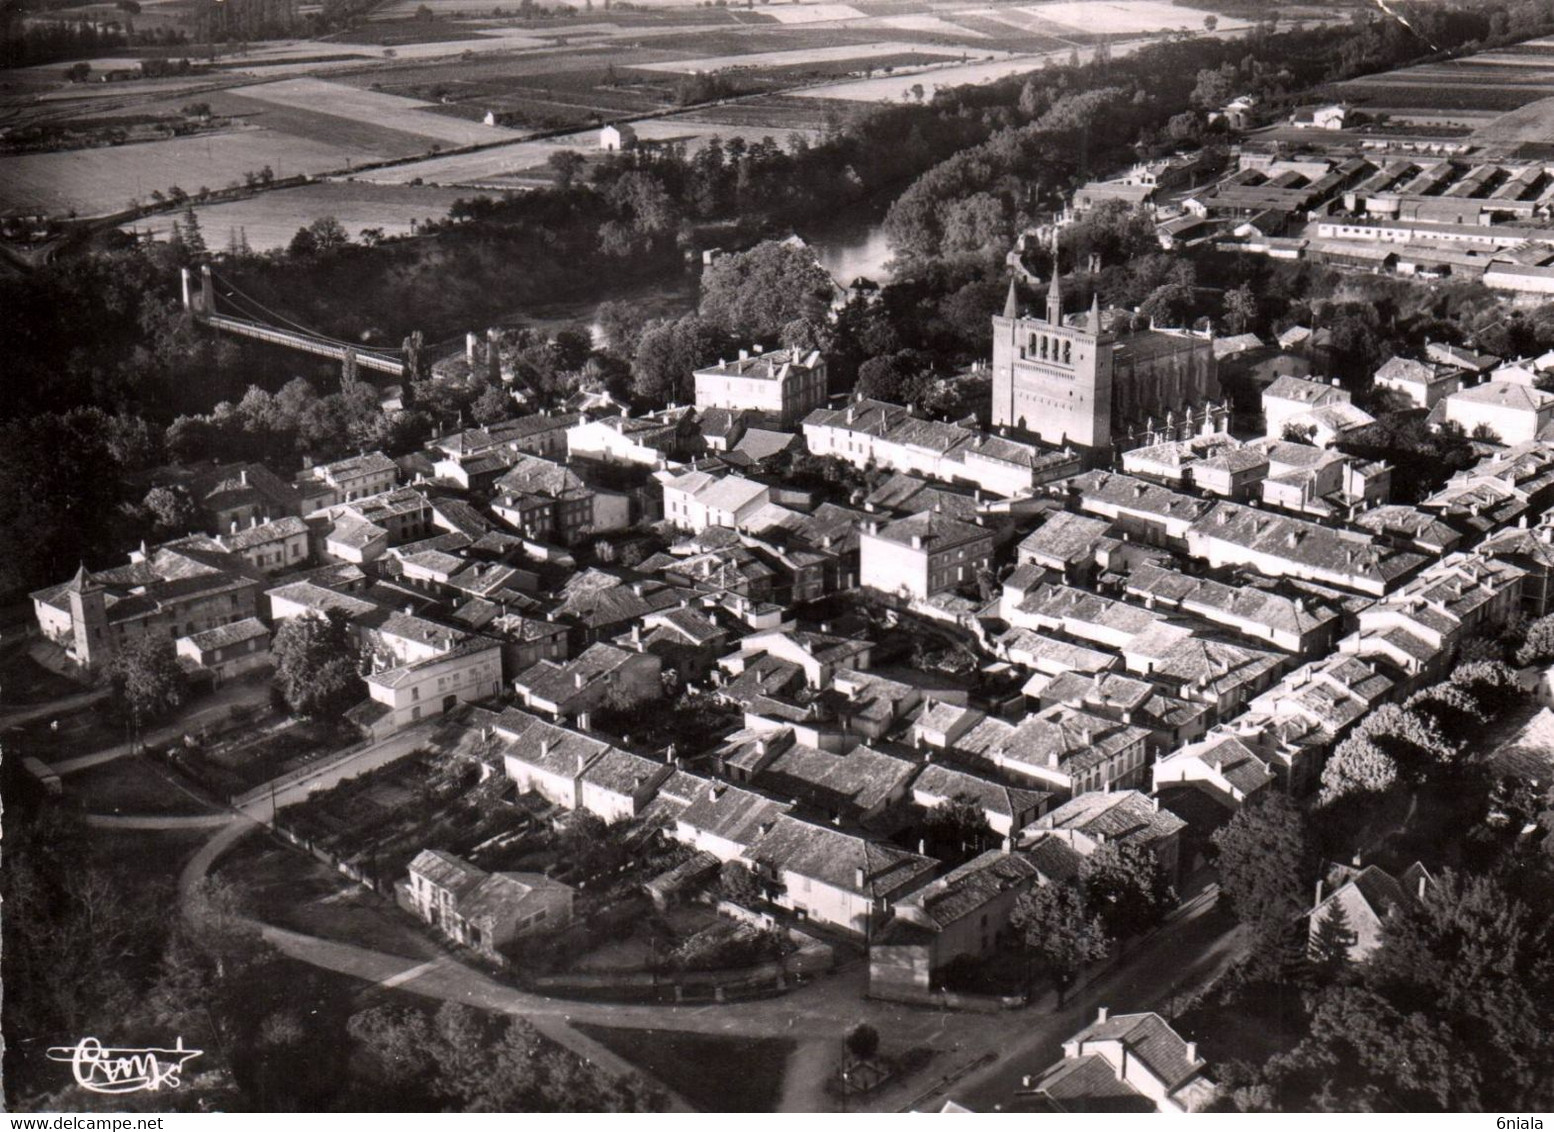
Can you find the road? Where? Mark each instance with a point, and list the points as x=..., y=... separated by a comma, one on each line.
x=1193, y=949
x=817, y=1016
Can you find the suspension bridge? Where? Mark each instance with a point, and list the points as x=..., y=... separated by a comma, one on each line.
x=217, y=303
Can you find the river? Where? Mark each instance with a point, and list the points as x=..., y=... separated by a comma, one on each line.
x=852, y=250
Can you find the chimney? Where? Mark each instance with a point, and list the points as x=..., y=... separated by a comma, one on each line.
x=234, y=526
x=582, y=762
x=1423, y=880
x=544, y=747
x=1192, y=1052
x=469, y=348
x=578, y=679
x=917, y=542
x=242, y=477
x=1101, y=1013
x=860, y=878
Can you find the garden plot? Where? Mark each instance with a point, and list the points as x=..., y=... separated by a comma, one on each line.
x=409, y=115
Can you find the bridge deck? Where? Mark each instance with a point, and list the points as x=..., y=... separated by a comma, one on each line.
x=364, y=357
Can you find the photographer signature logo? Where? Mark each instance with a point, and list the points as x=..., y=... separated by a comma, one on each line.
x=105, y=1069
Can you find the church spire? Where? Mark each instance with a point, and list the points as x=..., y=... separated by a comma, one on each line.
x=1055, y=290
x=1095, y=312
x=1012, y=302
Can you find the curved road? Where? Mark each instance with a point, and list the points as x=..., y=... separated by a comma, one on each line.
x=817, y=1016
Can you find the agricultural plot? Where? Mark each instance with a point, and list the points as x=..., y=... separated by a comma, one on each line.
x=1533, y=122
x=94, y=182
x=799, y=58
x=523, y=164
x=389, y=111
x=1127, y=17
x=269, y=220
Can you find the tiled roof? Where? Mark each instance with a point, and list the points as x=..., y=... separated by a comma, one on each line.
x=940, y=781
x=230, y=634
x=731, y=813
x=839, y=859
x=1149, y=1038
x=1123, y=815
x=964, y=890
x=1064, y=537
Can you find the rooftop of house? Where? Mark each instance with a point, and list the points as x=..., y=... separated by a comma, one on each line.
x=1150, y=1038
x=932, y=531
x=1411, y=371
x=772, y=366
x=863, y=415
x=1508, y=395
x=964, y=890
x=949, y=783
x=840, y=860
x=369, y=463
x=1126, y=492
x=535, y=476
x=233, y=633
x=1122, y=815
x=724, y=493
x=863, y=777
x=1305, y=543
x=907, y=493
x=1065, y=537
x=1304, y=391
x=170, y=574
x=446, y=871
x=321, y=599
x=1067, y=739
x=1229, y=757
x=558, y=682
x=732, y=813
x=1220, y=601
x=1380, y=890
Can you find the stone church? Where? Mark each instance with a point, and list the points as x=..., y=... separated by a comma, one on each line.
x=1086, y=380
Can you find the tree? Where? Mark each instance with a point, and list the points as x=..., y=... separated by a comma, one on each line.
x=1125, y=885
x=1266, y=861
x=1240, y=309
x=148, y=682
x=1330, y=945
x=957, y=828
x=172, y=509
x=1357, y=766
x=621, y=324
x=1537, y=645
x=329, y=235
x=495, y=404
x=752, y=295
x=1210, y=22
x=668, y=353
x=902, y=377
x=304, y=244
x=193, y=238
x=317, y=663
x=737, y=883
x=863, y=1041
x=1059, y=932
x=566, y=164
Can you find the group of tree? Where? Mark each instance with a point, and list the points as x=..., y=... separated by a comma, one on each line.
x=1453, y=1012
x=1422, y=738
x=317, y=664
x=461, y=1060
x=1121, y=892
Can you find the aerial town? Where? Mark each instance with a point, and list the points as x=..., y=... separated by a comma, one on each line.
x=631, y=644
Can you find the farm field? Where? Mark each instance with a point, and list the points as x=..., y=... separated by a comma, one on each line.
x=798, y=58
x=394, y=112
x=1126, y=17
x=1533, y=122
x=270, y=220
x=523, y=164
x=93, y=182
x=1492, y=83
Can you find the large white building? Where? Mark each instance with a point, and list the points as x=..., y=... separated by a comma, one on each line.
x=923, y=555
x=784, y=385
